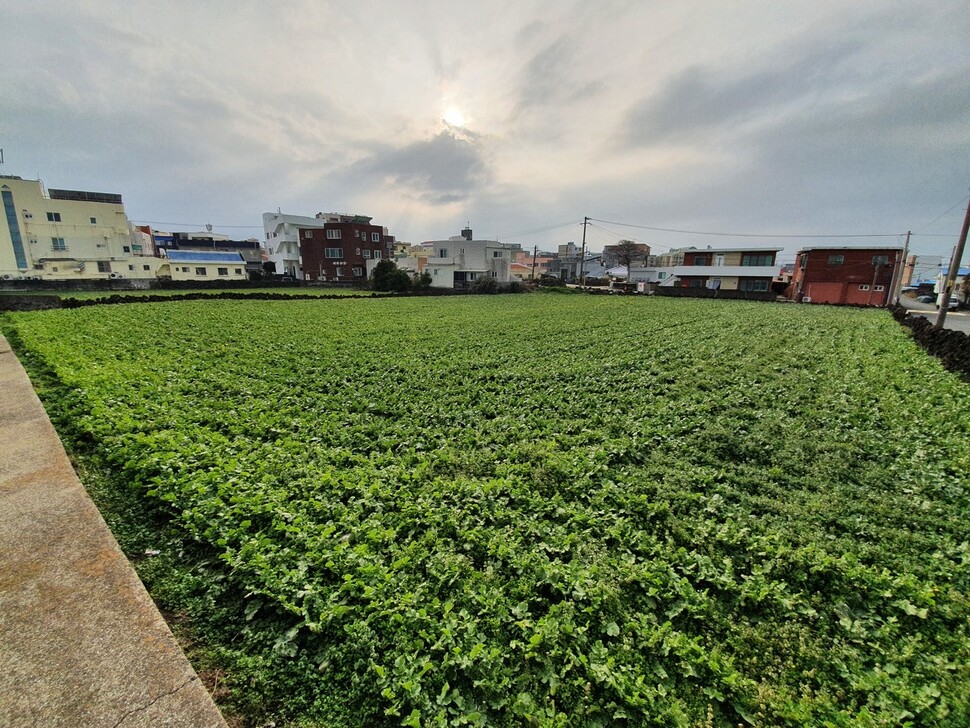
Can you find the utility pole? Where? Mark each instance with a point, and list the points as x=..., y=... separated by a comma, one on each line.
x=582, y=255
x=951, y=274
x=897, y=284
x=535, y=252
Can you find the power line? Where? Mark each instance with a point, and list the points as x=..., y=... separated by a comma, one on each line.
x=536, y=231
x=199, y=224
x=942, y=214
x=744, y=235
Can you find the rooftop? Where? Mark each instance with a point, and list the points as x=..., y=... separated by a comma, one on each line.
x=197, y=256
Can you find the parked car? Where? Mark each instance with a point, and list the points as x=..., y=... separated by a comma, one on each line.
x=926, y=298
x=952, y=305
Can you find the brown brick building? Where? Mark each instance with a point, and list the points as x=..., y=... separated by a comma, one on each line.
x=862, y=276
x=340, y=250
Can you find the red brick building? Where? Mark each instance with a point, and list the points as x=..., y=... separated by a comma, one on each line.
x=862, y=276
x=340, y=250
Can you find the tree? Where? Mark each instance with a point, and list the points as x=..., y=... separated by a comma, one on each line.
x=627, y=252
x=388, y=277
x=421, y=281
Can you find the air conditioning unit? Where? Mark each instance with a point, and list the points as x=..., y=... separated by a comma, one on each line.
x=115, y=275
x=806, y=299
x=6, y=277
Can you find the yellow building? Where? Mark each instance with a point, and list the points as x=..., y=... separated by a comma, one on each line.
x=202, y=266
x=67, y=235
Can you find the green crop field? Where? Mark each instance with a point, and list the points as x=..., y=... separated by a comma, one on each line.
x=533, y=510
x=177, y=292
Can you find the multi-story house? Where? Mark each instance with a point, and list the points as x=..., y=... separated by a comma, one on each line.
x=460, y=261
x=339, y=251
x=749, y=270
x=283, y=240
x=862, y=276
x=66, y=234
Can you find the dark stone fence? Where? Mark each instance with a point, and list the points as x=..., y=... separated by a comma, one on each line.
x=715, y=293
x=952, y=348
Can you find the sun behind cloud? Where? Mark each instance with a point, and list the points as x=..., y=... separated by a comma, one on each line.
x=453, y=117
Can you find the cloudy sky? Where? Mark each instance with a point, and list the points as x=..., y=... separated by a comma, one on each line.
x=764, y=118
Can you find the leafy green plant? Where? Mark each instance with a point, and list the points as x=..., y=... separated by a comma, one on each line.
x=538, y=510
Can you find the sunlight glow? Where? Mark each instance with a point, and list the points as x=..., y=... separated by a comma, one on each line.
x=454, y=117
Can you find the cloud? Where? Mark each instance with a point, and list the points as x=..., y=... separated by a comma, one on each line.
x=704, y=99
x=446, y=168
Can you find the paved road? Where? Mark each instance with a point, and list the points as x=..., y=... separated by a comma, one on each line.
x=955, y=320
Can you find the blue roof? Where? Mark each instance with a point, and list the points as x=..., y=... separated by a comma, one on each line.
x=196, y=256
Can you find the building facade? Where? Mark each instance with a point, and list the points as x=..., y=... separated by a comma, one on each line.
x=747, y=270
x=340, y=249
x=461, y=261
x=66, y=235
x=283, y=241
x=841, y=275
x=202, y=266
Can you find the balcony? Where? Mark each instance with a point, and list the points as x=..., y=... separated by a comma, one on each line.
x=725, y=271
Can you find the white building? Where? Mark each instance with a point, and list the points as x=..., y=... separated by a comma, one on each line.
x=460, y=261
x=283, y=240
x=66, y=235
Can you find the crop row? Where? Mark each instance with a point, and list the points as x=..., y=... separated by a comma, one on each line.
x=552, y=510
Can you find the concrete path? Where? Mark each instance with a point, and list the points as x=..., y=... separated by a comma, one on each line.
x=81, y=642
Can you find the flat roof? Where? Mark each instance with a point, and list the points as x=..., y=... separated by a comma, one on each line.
x=850, y=247
x=197, y=256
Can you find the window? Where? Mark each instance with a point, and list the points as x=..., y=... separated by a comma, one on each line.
x=836, y=259
x=700, y=260
x=54, y=269
x=377, y=255
x=131, y=267
x=864, y=287
x=58, y=244
x=753, y=284
x=801, y=261
x=697, y=282
x=308, y=234
x=53, y=217
x=880, y=260
x=375, y=237
x=334, y=252
x=200, y=270
x=340, y=271
x=146, y=267
x=358, y=272
x=238, y=271
x=757, y=259
x=879, y=288
x=333, y=235
x=126, y=248
x=184, y=269
x=104, y=266
x=443, y=253
x=137, y=249
x=94, y=221
x=496, y=253
x=366, y=253
x=223, y=271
